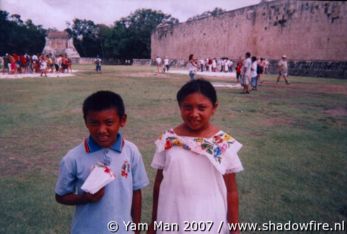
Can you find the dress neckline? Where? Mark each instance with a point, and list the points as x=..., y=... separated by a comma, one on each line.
x=215, y=134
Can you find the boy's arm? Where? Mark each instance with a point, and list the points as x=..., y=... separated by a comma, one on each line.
x=75, y=199
x=136, y=208
x=156, y=188
x=232, y=199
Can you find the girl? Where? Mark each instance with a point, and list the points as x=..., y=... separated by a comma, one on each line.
x=196, y=164
x=192, y=66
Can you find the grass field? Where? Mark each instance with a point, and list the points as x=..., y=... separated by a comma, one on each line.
x=294, y=137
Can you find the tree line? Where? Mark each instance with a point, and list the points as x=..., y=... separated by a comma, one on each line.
x=129, y=37
x=17, y=36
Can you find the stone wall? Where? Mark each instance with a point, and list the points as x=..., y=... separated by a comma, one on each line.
x=306, y=31
x=142, y=62
x=314, y=68
x=59, y=43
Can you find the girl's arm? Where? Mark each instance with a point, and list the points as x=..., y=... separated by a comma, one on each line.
x=136, y=208
x=156, y=188
x=232, y=199
x=75, y=199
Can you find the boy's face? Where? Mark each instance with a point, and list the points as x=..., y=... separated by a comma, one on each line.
x=104, y=125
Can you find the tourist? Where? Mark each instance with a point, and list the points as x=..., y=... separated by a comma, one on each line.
x=166, y=64
x=1, y=63
x=214, y=64
x=209, y=64
x=260, y=70
x=282, y=67
x=230, y=65
x=43, y=65
x=202, y=64
x=97, y=62
x=246, y=72
x=158, y=62
x=266, y=66
x=238, y=69
x=64, y=63
x=192, y=66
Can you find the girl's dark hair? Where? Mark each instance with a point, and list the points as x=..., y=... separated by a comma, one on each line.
x=190, y=57
x=103, y=100
x=197, y=86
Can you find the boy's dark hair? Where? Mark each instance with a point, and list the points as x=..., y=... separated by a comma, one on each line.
x=197, y=86
x=103, y=100
x=248, y=54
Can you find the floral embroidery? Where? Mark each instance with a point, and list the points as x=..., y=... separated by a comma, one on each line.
x=107, y=170
x=215, y=146
x=125, y=169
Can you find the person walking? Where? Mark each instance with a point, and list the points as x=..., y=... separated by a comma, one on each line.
x=283, y=69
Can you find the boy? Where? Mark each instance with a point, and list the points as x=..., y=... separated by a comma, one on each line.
x=120, y=200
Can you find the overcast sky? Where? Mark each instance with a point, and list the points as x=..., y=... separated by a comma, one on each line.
x=55, y=13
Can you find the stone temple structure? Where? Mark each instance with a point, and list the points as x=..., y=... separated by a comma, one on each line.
x=313, y=35
x=59, y=43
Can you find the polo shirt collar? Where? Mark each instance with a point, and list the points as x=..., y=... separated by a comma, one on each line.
x=91, y=146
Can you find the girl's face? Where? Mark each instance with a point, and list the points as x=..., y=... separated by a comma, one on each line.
x=196, y=111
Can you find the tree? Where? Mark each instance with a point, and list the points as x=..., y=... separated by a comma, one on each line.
x=131, y=35
x=104, y=33
x=19, y=37
x=215, y=12
x=85, y=36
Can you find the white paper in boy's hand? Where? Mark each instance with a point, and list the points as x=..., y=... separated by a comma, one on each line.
x=99, y=177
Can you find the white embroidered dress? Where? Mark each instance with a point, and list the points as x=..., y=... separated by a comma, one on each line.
x=193, y=188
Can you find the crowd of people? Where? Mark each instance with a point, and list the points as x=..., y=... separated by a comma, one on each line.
x=163, y=65
x=215, y=65
x=36, y=63
x=249, y=70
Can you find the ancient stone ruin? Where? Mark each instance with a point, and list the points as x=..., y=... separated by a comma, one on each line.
x=59, y=43
x=313, y=35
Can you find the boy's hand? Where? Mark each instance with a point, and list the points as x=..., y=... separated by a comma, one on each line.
x=74, y=199
x=94, y=197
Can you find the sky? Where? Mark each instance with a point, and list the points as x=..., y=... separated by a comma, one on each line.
x=56, y=13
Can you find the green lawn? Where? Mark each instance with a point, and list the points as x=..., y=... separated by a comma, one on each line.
x=294, y=137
